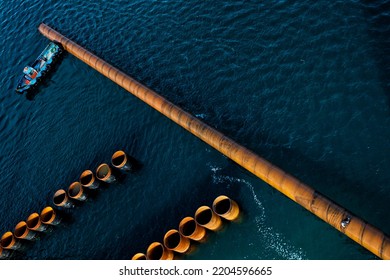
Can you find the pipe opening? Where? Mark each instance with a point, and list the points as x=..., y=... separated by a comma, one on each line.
x=47, y=214
x=20, y=229
x=7, y=239
x=156, y=252
x=173, y=240
x=103, y=171
x=33, y=220
x=223, y=206
x=204, y=216
x=118, y=159
x=59, y=197
x=188, y=228
x=86, y=178
x=75, y=189
x=226, y=208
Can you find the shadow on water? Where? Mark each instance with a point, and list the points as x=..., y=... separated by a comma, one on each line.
x=376, y=12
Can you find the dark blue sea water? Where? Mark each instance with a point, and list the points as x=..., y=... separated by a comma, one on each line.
x=303, y=83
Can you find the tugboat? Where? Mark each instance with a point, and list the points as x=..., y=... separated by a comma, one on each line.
x=33, y=75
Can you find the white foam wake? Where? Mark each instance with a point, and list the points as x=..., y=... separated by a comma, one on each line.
x=276, y=241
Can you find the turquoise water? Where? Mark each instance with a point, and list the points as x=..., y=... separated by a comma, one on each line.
x=303, y=84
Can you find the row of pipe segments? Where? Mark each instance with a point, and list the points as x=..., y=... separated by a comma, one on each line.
x=192, y=230
x=88, y=180
x=36, y=223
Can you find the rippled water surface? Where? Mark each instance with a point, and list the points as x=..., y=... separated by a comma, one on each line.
x=304, y=84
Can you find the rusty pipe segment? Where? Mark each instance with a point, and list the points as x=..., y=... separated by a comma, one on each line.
x=104, y=173
x=49, y=216
x=8, y=241
x=61, y=199
x=157, y=251
x=174, y=241
x=88, y=180
x=21, y=231
x=352, y=226
x=121, y=161
x=76, y=191
x=205, y=217
x=34, y=222
x=226, y=208
x=192, y=230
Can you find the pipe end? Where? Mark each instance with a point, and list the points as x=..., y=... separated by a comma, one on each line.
x=226, y=208
x=87, y=179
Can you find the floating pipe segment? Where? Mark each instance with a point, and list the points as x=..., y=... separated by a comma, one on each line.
x=34, y=223
x=8, y=241
x=121, y=161
x=61, y=199
x=205, y=217
x=49, y=216
x=76, y=191
x=358, y=230
x=88, y=180
x=190, y=229
x=156, y=251
x=104, y=173
x=174, y=241
x=226, y=208
x=21, y=231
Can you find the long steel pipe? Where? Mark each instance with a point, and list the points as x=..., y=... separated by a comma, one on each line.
x=360, y=231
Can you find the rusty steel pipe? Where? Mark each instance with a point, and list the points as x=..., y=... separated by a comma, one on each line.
x=360, y=231
x=206, y=218
x=34, y=223
x=104, y=173
x=8, y=241
x=175, y=241
x=88, y=180
x=190, y=229
x=61, y=199
x=21, y=231
x=76, y=191
x=226, y=208
x=157, y=251
x=49, y=216
x=121, y=161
